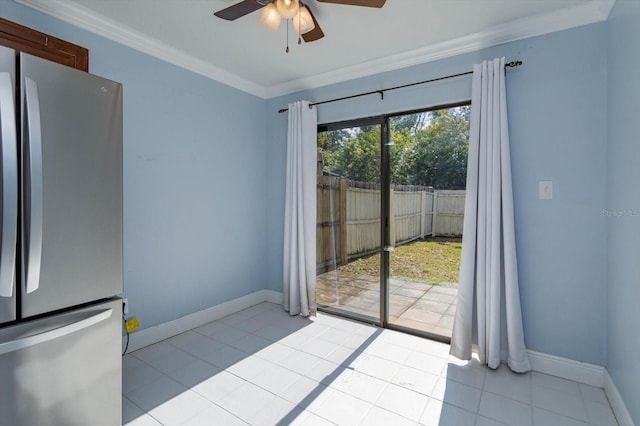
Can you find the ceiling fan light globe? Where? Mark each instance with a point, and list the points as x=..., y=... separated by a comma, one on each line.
x=270, y=17
x=287, y=8
x=303, y=22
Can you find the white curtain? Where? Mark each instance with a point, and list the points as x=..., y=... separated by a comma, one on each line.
x=299, y=266
x=488, y=315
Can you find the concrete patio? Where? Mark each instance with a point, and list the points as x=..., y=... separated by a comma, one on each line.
x=419, y=305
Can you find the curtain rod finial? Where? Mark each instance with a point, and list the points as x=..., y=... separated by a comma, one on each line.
x=513, y=64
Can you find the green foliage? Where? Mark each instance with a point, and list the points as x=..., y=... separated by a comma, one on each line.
x=442, y=149
x=329, y=145
x=429, y=149
x=360, y=159
x=352, y=153
x=403, y=156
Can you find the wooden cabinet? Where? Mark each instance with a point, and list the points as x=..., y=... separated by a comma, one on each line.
x=39, y=44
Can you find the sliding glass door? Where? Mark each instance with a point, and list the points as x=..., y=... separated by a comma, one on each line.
x=428, y=165
x=348, y=219
x=390, y=209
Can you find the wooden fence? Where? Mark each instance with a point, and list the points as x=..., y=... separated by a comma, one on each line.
x=448, y=215
x=348, y=217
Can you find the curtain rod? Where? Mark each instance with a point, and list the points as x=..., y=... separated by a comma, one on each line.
x=511, y=64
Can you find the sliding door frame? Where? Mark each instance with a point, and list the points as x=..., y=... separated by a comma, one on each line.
x=386, y=246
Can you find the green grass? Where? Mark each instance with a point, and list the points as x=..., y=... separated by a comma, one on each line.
x=432, y=259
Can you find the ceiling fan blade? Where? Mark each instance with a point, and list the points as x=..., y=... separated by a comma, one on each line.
x=366, y=3
x=238, y=10
x=316, y=33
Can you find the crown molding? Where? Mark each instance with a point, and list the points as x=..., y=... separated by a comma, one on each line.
x=86, y=19
x=587, y=13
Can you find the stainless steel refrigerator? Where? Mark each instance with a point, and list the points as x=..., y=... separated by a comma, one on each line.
x=60, y=245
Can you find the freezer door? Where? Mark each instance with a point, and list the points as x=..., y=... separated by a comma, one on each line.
x=72, y=186
x=8, y=186
x=63, y=370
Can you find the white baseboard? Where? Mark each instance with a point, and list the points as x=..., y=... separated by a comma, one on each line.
x=566, y=368
x=155, y=334
x=617, y=403
x=585, y=373
x=273, y=296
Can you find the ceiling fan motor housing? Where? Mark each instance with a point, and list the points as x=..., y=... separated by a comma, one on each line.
x=245, y=7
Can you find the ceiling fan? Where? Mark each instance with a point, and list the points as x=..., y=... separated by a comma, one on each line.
x=304, y=21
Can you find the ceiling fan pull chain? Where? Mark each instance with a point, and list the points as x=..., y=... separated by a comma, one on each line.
x=299, y=24
x=287, y=49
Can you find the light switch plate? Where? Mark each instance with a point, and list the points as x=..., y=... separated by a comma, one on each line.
x=545, y=190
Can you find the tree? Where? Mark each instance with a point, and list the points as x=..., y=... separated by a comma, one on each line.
x=329, y=146
x=442, y=148
x=411, y=122
x=429, y=149
x=403, y=155
x=359, y=159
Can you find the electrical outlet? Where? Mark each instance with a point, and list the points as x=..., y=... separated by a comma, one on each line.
x=132, y=324
x=125, y=306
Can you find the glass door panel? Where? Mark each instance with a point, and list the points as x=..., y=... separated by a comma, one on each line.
x=348, y=220
x=426, y=205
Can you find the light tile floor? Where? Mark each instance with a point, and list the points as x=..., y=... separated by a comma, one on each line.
x=262, y=367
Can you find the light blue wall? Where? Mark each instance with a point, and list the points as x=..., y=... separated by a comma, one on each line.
x=194, y=178
x=623, y=198
x=557, y=113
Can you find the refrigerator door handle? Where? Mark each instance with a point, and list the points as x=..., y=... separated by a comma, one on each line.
x=34, y=249
x=9, y=185
x=56, y=333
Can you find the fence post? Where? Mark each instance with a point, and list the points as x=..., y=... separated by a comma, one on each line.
x=423, y=211
x=344, y=256
x=435, y=213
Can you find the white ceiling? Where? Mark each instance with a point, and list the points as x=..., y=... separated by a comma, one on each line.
x=358, y=40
